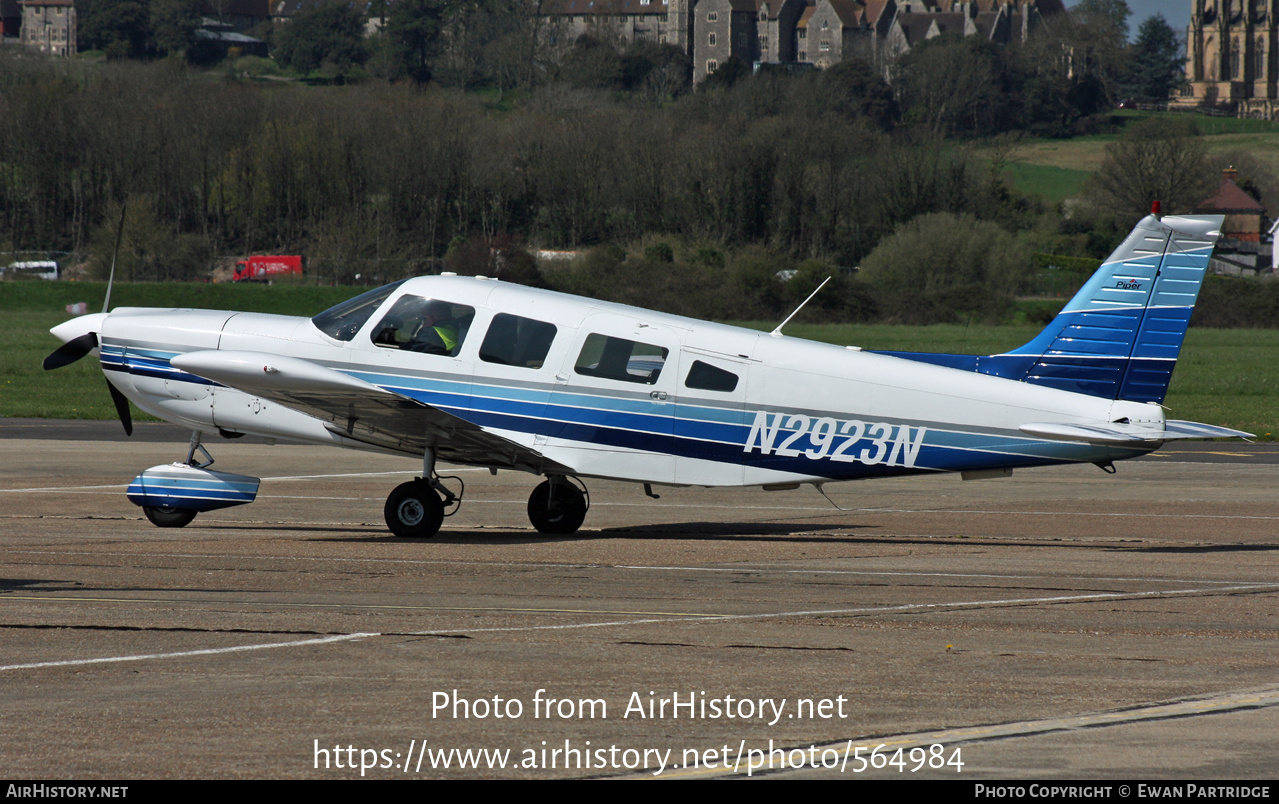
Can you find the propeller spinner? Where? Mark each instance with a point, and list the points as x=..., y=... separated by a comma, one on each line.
x=79, y=346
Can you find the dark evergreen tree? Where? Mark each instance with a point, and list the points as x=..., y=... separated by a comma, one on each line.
x=1155, y=63
x=120, y=28
x=412, y=36
x=174, y=23
x=331, y=33
x=856, y=89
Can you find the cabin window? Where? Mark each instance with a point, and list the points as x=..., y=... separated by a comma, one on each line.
x=428, y=326
x=709, y=378
x=620, y=359
x=342, y=321
x=515, y=341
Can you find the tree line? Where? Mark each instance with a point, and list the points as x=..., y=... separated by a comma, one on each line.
x=694, y=201
x=225, y=166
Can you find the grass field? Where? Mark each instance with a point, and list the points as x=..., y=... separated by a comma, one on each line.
x=1055, y=169
x=1225, y=377
x=1052, y=182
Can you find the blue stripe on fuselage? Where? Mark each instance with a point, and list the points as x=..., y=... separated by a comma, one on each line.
x=703, y=432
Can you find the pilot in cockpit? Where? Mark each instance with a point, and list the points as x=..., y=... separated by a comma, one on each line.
x=420, y=325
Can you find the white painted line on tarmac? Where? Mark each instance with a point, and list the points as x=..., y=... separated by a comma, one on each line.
x=897, y=609
x=887, y=746
x=182, y=654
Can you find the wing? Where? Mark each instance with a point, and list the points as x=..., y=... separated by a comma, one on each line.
x=362, y=411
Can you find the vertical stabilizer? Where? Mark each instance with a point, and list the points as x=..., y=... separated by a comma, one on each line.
x=1119, y=337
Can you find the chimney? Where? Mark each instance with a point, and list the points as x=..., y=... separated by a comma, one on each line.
x=1230, y=173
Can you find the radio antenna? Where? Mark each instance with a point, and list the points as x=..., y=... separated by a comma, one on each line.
x=777, y=333
x=119, y=235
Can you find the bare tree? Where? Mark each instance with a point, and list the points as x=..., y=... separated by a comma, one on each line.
x=1156, y=160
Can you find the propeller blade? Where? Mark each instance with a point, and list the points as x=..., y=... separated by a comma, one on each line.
x=71, y=351
x=121, y=408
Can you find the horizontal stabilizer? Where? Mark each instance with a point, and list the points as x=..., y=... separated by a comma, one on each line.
x=1121, y=434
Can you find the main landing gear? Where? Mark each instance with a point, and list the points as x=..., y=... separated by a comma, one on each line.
x=416, y=509
x=558, y=506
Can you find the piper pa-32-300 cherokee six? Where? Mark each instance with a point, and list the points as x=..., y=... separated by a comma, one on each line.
x=481, y=372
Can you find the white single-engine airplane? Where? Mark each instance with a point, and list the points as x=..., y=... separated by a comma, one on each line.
x=481, y=372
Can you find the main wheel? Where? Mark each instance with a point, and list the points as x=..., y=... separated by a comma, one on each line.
x=562, y=513
x=164, y=516
x=414, y=510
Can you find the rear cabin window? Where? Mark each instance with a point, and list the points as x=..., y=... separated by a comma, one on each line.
x=515, y=341
x=709, y=378
x=429, y=326
x=620, y=359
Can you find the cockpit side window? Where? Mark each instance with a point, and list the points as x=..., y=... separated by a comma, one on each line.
x=620, y=359
x=342, y=321
x=515, y=341
x=429, y=326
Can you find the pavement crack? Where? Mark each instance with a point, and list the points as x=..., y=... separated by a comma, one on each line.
x=787, y=647
x=659, y=644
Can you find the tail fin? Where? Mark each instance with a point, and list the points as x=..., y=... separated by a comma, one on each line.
x=1119, y=337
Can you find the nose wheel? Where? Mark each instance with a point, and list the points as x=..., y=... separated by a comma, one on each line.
x=164, y=516
x=557, y=506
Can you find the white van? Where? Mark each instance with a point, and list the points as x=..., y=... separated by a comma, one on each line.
x=39, y=269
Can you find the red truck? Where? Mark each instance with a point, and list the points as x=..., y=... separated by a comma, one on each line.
x=261, y=268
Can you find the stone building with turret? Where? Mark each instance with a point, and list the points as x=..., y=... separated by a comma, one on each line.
x=1230, y=56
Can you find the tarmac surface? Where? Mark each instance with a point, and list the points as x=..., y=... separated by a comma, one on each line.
x=1059, y=624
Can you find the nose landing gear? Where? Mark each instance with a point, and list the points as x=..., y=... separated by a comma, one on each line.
x=172, y=494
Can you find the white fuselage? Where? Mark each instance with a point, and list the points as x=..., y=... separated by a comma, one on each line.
x=796, y=411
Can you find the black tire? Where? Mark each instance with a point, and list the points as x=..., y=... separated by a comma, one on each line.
x=162, y=516
x=414, y=510
x=562, y=518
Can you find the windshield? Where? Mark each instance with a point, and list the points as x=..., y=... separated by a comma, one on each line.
x=345, y=319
